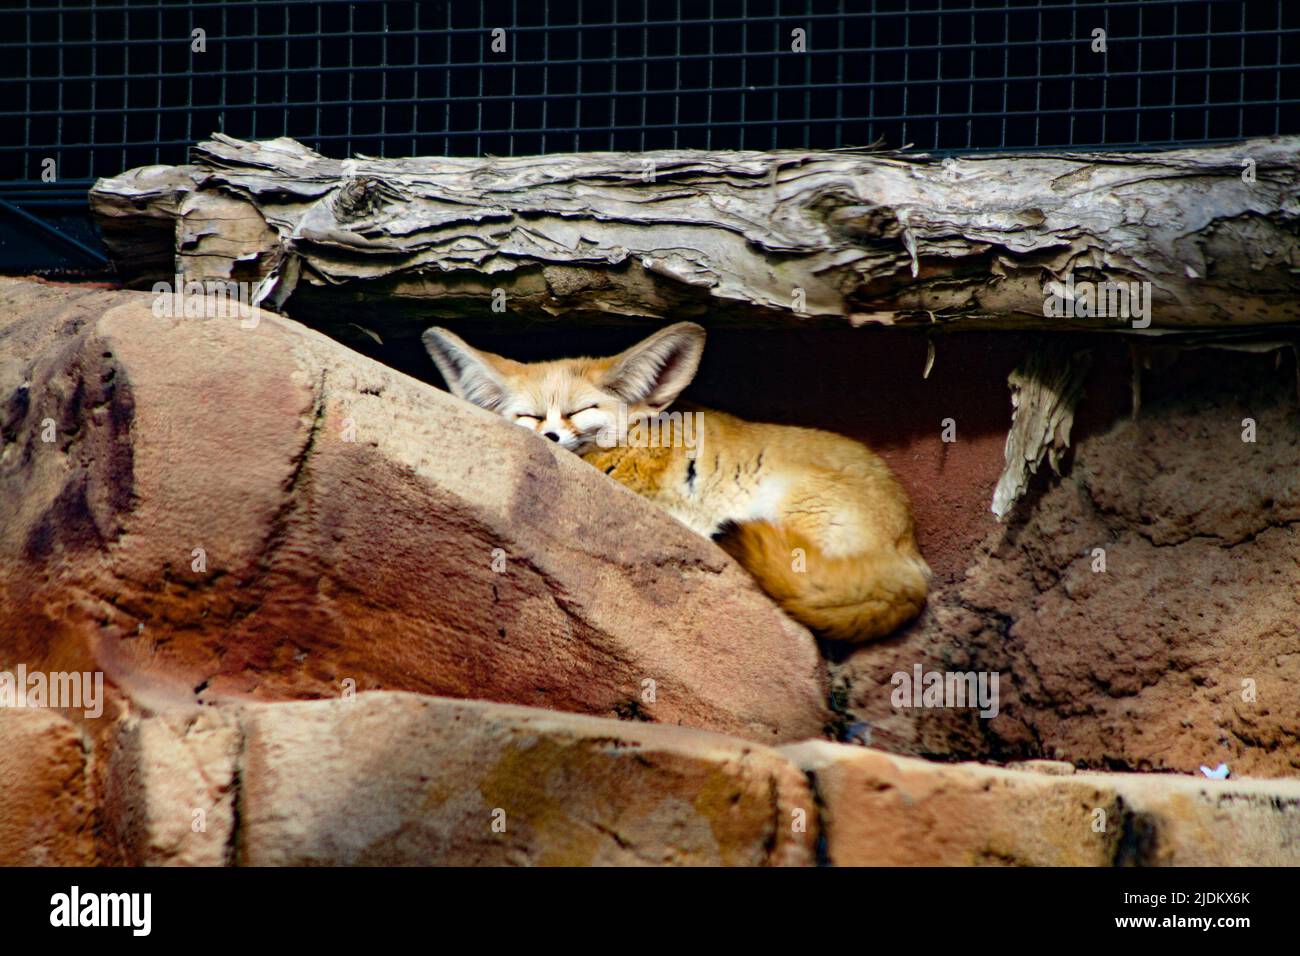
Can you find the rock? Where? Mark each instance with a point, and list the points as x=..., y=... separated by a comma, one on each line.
x=878, y=809
x=1053, y=768
x=170, y=793
x=390, y=779
x=1179, y=650
x=46, y=807
x=1182, y=821
x=883, y=810
x=229, y=510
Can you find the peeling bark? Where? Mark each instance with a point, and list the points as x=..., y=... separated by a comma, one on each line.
x=1045, y=390
x=873, y=237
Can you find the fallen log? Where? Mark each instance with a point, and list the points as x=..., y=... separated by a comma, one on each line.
x=875, y=237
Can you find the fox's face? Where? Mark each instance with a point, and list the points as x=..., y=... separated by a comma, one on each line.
x=577, y=403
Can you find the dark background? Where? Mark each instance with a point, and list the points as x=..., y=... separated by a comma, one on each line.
x=101, y=87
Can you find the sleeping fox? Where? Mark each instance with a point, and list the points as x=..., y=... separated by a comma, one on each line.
x=816, y=518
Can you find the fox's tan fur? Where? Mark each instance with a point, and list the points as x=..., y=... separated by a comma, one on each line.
x=816, y=518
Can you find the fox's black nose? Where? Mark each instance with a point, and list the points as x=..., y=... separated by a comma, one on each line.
x=552, y=436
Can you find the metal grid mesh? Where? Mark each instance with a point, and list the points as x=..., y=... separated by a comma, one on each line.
x=107, y=86
x=104, y=86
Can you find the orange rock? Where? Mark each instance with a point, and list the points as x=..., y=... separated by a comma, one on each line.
x=882, y=810
x=392, y=779
x=46, y=809
x=226, y=512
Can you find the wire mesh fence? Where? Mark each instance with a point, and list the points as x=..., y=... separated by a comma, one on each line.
x=93, y=87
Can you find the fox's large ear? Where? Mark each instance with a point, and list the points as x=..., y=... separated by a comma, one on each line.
x=655, y=371
x=468, y=372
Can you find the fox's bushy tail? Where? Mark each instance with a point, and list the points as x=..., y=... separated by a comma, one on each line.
x=845, y=598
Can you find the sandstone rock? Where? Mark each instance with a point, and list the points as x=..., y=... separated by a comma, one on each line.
x=883, y=810
x=1182, y=821
x=171, y=788
x=401, y=779
x=1054, y=768
x=213, y=509
x=397, y=779
x=1181, y=652
x=46, y=809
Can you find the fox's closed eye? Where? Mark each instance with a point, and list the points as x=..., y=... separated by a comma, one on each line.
x=527, y=418
x=585, y=408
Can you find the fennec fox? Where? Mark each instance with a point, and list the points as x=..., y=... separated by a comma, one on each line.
x=816, y=518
